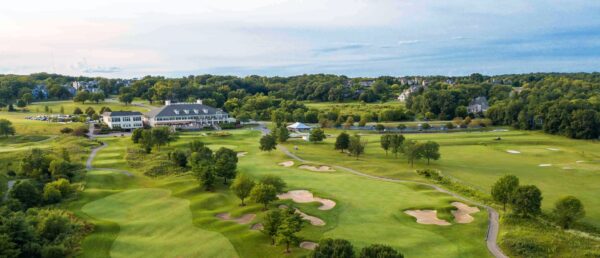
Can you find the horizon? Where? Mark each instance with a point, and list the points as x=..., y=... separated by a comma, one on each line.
x=133, y=38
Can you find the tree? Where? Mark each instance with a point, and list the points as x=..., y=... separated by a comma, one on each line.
x=567, y=210
x=36, y=164
x=413, y=151
x=241, y=186
x=267, y=143
x=271, y=224
x=7, y=247
x=6, y=128
x=386, y=142
x=264, y=194
x=333, y=248
x=349, y=122
x=126, y=98
x=342, y=141
x=356, y=147
x=146, y=140
x=90, y=111
x=379, y=127
x=21, y=103
x=225, y=163
x=316, y=135
x=527, y=201
x=179, y=157
x=196, y=146
x=282, y=134
x=379, y=251
x=205, y=175
x=504, y=189
x=431, y=150
x=60, y=168
x=81, y=96
x=291, y=223
x=275, y=181
x=97, y=97
x=161, y=136
x=51, y=194
x=136, y=135
x=27, y=193
x=396, y=143
x=27, y=97
x=77, y=111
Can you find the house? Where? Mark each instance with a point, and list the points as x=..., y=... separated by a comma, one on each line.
x=298, y=127
x=187, y=115
x=70, y=88
x=478, y=105
x=40, y=92
x=123, y=119
x=412, y=89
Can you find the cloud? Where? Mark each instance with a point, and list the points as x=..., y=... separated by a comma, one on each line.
x=408, y=42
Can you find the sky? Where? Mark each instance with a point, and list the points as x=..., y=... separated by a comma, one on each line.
x=134, y=38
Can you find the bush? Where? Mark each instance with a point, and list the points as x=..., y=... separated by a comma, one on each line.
x=51, y=194
x=526, y=247
x=379, y=251
x=430, y=173
x=66, y=130
x=80, y=131
x=53, y=251
x=333, y=248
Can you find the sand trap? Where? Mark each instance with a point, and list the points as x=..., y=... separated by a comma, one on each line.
x=427, y=217
x=552, y=149
x=308, y=245
x=545, y=165
x=287, y=164
x=312, y=219
x=304, y=196
x=463, y=214
x=242, y=154
x=244, y=219
x=513, y=151
x=257, y=226
x=321, y=168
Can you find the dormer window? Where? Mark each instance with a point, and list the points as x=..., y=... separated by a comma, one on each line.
x=195, y=111
x=205, y=111
x=186, y=111
x=176, y=111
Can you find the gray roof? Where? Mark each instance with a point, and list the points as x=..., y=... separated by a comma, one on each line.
x=122, y=113
x=178, y=109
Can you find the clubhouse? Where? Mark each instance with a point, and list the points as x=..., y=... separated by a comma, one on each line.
x=177, y=115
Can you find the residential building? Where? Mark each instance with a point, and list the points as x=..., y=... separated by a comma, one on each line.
x=123, y=119
x=412, y=89
x=187, y=115
x=39, y=92
x=478, y=105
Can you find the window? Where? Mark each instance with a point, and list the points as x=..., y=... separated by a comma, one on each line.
x=126, y=119
x=137, y=118
x=116, y=119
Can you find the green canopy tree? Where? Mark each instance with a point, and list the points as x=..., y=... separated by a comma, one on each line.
x=205, y=174
x=386, y=142
x=6, y=128
x=291, y=223
x=413, y=151
x=267, y=143
x=379, y=251
x=225, y=163
x=504, y=189
x=356, y=146
x=275, y=181
x=316, y=135
x=567, y=210
x=527, y=201
x=271, y=224
x=282, y=134
x=333, y=248
x=264, y=194
x=342, y=141
x=431, y=151
x=242, y=186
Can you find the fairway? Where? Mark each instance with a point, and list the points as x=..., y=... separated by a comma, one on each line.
x=154, y=224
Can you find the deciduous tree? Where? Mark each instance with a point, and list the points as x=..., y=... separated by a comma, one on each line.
x=267, y=143
x=504, y=189
x=567, y=210
x=242, y=186
x=342, y=141
x=264, y=194
x=527, y=201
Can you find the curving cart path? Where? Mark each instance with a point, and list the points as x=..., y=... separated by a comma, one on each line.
x=88, y=164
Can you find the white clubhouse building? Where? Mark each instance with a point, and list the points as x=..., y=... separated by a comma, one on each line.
x=123, y=119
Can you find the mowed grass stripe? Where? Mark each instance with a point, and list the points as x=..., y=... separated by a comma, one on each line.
x=154, y=224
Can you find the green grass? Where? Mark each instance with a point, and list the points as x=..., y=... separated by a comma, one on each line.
x=477, y=160
x=368, y=211
x=69, y=106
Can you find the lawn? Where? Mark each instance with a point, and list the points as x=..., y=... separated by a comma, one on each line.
x=557, y=165
x=69, y=106
x=367, y=211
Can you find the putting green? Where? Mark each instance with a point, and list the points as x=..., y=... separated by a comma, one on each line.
x=155, y=224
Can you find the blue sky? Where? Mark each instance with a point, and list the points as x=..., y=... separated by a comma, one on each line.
x=133, y=38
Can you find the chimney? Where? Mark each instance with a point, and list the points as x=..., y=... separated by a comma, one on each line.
x=167, y=102
x=199, y=101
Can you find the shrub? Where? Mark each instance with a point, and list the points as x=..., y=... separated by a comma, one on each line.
x=526, y=247
x=51, y=194
x=66, y=130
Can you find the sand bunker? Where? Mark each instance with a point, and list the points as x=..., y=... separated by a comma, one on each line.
x=308, y=245
x=257, y=226
x=427, y=217
x=513, y=151
x=321, y=168
x=545, y=165
x=312, y=219
x=304, y=196
x=552, y=149
x=242, y=154
x=287, y=164
x=463, y=214
x=244, y=219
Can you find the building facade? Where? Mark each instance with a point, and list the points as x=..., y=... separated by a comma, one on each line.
x=123, y=119
x=187, y=115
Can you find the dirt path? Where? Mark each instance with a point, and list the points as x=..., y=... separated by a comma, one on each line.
x=88, y=164
x=493, y=226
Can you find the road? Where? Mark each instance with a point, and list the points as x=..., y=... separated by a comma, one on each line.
x=493, y=225
x=88, y=164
